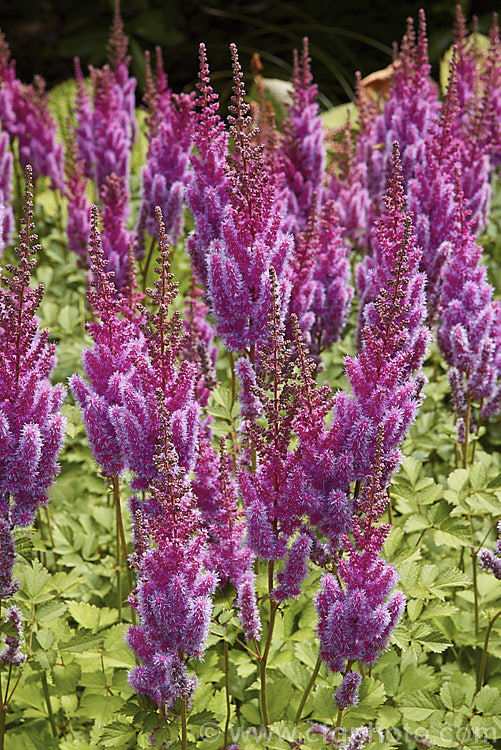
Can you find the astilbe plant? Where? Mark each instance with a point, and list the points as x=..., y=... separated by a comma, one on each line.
x=302, y=151
x=247, y=239
x=105, y=119
x=166, y=174
x=356, y=611
x=406, y=117
x=136, y=418
x=118, y=345
x=320, y=293
x=32, y=427
x=79, y=209
x=469, y=332
x=490, y=560
x=6, y=212
x=25, y=116
x=174, y=590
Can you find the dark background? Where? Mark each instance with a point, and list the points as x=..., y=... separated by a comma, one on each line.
x=44, y=35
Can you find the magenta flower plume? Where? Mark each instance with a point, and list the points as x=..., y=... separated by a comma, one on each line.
x=166, y=174
x=6, y=212
x=251, y=241
x=227, y=554
x=470, y=324
x=115, y=237
x=302, y=149
x=14, y=643
x=276, y=496
x=407, y=115
x=386, y=389
x=431, y=191
x=78, y=226
x=8, y=586
x=355, y=619
x=111, y=362
x=106, y=125
x=24, y=113
x=347, y=693
x=136, y=418
x=31, y=424
x=208, y=193
x=234, y=249
x=320, y=293
x=174, y=590
x=489, y=560
x=199, y=344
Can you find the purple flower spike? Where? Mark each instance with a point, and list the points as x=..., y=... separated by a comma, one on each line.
x=24, y=113
x=490, y=561
x=243, y=238
x=302, y=151
x=31, y=425
x=166, y=174
x=347, y=693
x=355, y=622
x=469, y=330
x=8, y=587
x=14, y=643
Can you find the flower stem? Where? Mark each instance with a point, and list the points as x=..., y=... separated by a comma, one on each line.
x=467, y=420
x=184, y=722
x=147, y=263
x=48, y=704
x=227, y=691
x=307, y=691
x=481, y=670
x=266, y=652
x=121, y=542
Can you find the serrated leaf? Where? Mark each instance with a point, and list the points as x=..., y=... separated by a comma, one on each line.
x=35, y=577
x=66, y=677
x=453, y=696
x=488, y=700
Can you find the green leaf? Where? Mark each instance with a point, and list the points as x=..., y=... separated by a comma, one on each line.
x=488, y=700
x=453, y=696
x=35, y=577
x=66, y=677
x=92, y=617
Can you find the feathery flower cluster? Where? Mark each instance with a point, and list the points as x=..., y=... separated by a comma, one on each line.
x=386, y=389
x=109, y=364
x=227, y=554
x=6, y=212
x=14, y=643
x=78, y=224
x=136, y=419
x=31, y=425
x=208, y=193
x=489, y=560
x=166, y=174
x=320, y=293
x=199, y=346
x=477, y=122
x=302, y=152
x=275, y=495
x=246, y=239
x=24, y=113
x=407, y=115
x=116, y=239
x=357, y=611
x=106, y=125
x=174, y=590
x=469, y=333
